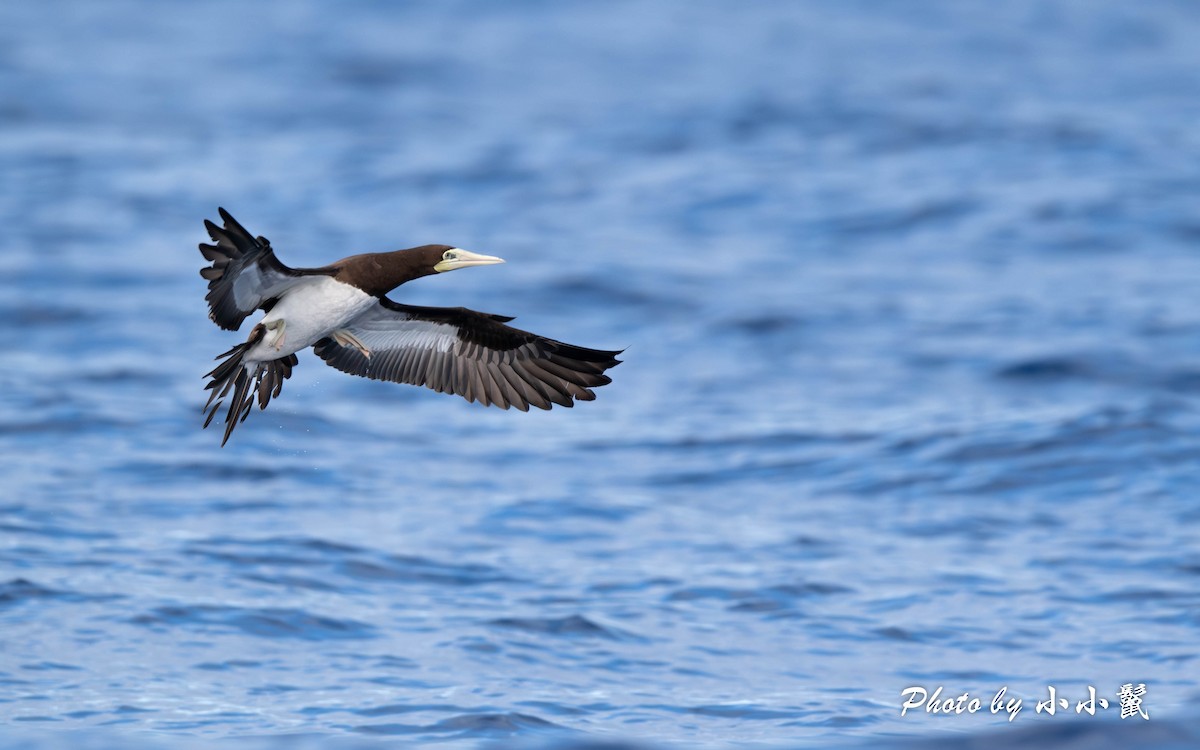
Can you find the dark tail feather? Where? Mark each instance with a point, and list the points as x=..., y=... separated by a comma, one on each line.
x=264, y=381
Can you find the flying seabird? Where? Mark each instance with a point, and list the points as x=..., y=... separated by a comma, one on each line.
x=342, y=310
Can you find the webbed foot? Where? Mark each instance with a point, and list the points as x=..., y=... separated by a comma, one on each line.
x=345, y=338
x=279, y=328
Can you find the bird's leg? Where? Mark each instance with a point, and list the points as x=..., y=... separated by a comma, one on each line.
x=345, y=338
x=279, y=327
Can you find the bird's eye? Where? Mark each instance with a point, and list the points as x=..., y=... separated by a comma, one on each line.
x=449, y=255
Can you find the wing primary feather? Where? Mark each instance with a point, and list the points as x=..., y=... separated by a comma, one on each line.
x=512, y=395
x=414, y=366
x=260, y=382
x=477, y=389
x=264, y=387
x=535, y=392
x=562, y=389
x=565, y=373
x=449, y=373
x=491, y=385
x=528, y=394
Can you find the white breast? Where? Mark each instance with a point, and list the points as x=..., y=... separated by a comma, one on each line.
x=311, y=311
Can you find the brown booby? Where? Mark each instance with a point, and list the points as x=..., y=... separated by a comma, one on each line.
x=343, y=312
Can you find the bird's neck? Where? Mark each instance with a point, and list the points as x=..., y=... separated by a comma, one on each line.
x=379, y=273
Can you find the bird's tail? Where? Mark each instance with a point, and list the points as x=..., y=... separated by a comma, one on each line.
x=245, y=380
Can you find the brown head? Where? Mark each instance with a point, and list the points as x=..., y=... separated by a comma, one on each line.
x=379, y=273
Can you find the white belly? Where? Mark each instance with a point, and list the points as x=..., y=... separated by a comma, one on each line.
x=310, y=312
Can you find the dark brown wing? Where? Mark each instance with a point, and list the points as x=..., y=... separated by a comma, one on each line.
x=245, y=275
x=262, y=379
x=455, y=350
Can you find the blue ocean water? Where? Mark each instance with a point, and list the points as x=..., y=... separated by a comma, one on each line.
x=911, y=392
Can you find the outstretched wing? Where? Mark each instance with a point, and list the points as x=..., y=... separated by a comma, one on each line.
x=455, y=350
x=245, y=275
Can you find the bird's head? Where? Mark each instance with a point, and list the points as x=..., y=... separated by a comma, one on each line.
x=379, y=273
x=443, y=258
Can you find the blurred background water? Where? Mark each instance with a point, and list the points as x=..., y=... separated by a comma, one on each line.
x=909, y=296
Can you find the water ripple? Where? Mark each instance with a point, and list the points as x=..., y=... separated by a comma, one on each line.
x=909, y=393
x=573, y=626
x=261, y=622
x=475, y=726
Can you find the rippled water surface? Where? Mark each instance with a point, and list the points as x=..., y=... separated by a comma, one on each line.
x=911, y=392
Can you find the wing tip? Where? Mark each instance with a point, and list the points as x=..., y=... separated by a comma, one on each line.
x=233, y=227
